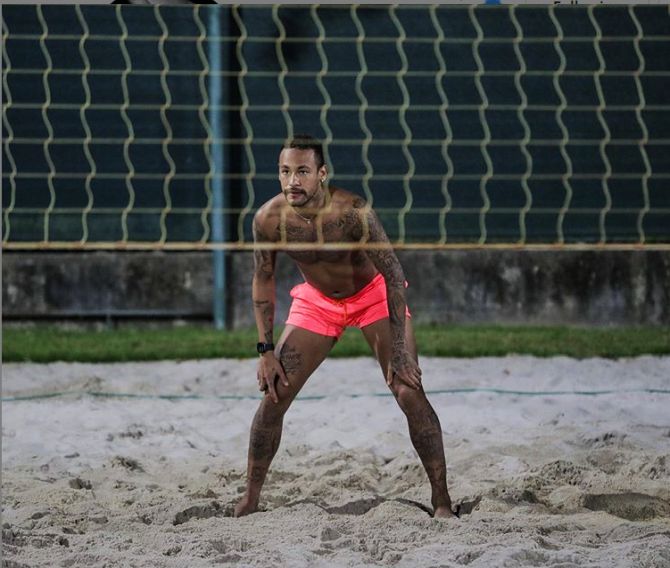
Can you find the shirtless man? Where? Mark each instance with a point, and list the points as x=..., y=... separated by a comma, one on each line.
x=362, y=287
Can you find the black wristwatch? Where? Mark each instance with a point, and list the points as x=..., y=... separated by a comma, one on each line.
x=264, y=347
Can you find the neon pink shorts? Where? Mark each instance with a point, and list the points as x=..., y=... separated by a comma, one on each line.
x=314, y=311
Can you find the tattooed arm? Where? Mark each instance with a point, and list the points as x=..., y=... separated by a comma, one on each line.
x=263, y=296
x=368, y=228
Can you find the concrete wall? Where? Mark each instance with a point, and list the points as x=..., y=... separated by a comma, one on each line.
x=102, y=285
x=523, y=287
x=483, y=286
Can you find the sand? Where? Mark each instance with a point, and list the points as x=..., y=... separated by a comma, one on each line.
x=548, y=479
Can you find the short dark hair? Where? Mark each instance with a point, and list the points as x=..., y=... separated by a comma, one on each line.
x=307, y=142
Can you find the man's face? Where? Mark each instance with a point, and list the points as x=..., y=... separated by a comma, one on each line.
x=299, y=175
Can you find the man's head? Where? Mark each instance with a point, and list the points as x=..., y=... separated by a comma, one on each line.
x=307, y=142
x=302, y=170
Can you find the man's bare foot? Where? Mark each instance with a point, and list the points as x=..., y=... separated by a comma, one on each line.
x=245, y=507
x=443, y=512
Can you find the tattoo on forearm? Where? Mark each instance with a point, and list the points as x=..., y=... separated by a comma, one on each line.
x=397, y=307
x=362, y=224
x=397, y=304
x=383, y=257
x=264, y=269
x=267, y=314
x=387, y=263
x=264, y=262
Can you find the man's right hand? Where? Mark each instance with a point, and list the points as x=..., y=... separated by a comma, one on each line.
x=269, y=370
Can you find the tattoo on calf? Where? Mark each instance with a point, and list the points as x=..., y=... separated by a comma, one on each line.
x=264, y=442
x=433, y=419
x=257, y=473
x=427, y=443
x=426, y=434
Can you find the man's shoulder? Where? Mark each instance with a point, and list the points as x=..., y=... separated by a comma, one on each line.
x=346, y=199
x=271, y=208
x=267, y=217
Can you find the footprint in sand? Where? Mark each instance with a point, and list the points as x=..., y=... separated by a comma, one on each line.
x=630, y=506
x=128, y=463
x=329, y=534
x=358, y=507
x=213, y=509
x=78, y=483
x=604, y=440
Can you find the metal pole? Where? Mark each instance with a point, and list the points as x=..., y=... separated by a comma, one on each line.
x=219, y=216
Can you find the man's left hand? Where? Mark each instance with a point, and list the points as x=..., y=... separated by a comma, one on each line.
x=406, y=369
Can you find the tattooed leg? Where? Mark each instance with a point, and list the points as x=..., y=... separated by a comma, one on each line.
x=300, y=352
x=426, y=435
x=264, y=439
x=424, y=426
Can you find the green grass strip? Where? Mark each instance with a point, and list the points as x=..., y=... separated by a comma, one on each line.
x=45, y=344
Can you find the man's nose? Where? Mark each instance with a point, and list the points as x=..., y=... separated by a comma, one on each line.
x=293, y=179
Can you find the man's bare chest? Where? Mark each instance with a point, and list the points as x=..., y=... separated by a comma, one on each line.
x=317, y=232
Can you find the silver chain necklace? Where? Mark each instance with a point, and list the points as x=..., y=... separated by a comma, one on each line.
x=309, y=221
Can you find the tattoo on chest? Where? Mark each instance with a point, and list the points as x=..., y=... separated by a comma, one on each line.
x=318, y=232
x=299, y=234
x=334, y=230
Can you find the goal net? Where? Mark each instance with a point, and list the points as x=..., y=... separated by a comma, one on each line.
x=461, y=125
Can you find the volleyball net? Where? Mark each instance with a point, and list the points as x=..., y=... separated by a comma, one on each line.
x=138, y=127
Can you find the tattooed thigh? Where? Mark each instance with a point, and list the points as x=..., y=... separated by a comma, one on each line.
x=291, y=360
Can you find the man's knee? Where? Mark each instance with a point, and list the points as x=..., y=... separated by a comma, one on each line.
x=405, y=395
x=271, y=412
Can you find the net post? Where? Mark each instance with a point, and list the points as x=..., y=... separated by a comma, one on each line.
x=219, y=208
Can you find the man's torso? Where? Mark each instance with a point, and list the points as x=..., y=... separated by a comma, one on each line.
x=337, y=273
